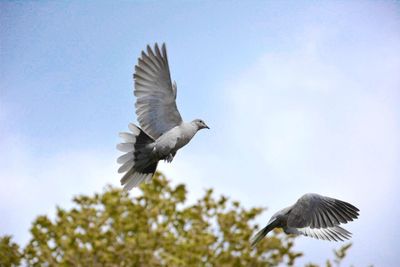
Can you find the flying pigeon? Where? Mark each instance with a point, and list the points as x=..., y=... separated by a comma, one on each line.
x=162, y=132
x=312, y=215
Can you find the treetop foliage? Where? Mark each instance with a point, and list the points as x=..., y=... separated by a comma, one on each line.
x=156, y=228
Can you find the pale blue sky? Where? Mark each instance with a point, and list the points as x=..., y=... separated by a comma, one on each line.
x=300, y=96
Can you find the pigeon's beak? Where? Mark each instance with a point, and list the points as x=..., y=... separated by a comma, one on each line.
x=205, y=126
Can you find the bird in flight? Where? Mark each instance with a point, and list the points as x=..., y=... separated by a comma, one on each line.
x=162, y=132
x=312, y=215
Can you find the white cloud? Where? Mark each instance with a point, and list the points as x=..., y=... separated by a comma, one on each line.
x=32, y=185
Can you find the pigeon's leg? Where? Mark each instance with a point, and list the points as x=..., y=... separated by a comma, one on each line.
x=170, y=157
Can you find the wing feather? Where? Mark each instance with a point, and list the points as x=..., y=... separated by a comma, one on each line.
x=329, y=219
x=335, y=233
x=333, y=216
x=338, y=213
x=155, y=94
x=316, y=211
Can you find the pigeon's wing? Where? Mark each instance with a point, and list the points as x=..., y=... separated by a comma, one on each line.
x=316, y=211
x=155, y=94
x=335, y=233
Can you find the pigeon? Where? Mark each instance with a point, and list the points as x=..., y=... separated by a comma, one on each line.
x=162, y=132
x=312, y=215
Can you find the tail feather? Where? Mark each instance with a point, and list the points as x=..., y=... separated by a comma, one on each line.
x=137, y=162
x=132, y=179
x=128, y=137
x=263, y=232
x=126, y=166
x=134, y=129
x=125, y=158
x=259, y=236
x=126, y=147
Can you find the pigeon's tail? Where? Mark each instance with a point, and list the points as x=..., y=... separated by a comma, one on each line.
x=137, y=162
x=262, y=233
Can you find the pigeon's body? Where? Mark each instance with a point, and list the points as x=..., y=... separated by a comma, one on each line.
x=312, y=215
x=163, y=131
x=170, y=142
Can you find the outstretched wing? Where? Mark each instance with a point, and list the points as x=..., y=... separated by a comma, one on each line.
x=316, y=211
x=155, y=94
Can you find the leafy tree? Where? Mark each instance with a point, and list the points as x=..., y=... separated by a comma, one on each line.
x=9, y=252
x=155, y=228
x=339, y=255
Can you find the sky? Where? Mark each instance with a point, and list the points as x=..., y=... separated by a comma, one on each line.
x=300, y=96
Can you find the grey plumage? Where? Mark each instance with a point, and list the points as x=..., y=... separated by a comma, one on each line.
x=162, y=132
x=315, y=216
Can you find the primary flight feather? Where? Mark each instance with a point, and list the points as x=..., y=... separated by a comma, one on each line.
x=162, y=132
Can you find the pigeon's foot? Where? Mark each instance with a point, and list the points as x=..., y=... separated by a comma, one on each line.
x=169, y=158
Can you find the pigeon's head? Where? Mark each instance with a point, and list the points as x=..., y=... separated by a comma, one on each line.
x=200, y=124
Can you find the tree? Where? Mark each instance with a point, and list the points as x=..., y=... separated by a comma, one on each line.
x=156, y=228
x=9, y=252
